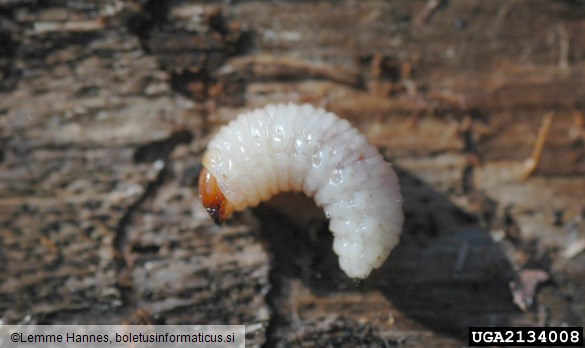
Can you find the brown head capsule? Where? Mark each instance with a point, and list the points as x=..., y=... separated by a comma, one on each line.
x=212, y=198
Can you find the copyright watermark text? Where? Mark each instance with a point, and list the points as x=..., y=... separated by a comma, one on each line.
x=137, y=336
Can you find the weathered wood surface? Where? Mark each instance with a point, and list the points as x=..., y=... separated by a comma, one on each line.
x=106, y=108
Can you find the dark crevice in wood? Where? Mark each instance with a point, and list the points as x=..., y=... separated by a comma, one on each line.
x=467, y=179
x=2, y=152
x=469, y=137
x=146, y=249
x=158, y=150
x=152, y=17
x=193, y=57
x=192, y=84
x=161, y=149
x=9, y=73
x=121, y=245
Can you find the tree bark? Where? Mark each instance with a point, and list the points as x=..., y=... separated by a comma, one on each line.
x=106, y=109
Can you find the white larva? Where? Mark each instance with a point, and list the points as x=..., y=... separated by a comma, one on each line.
x=300, y=148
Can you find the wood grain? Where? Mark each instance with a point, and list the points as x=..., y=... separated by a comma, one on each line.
x=106, y=108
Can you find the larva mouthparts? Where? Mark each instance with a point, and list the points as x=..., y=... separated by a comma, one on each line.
x=301, y=148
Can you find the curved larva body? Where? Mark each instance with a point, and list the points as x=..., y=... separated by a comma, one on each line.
x=300, y=148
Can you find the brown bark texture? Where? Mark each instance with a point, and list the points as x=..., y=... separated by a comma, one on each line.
x=106, y=108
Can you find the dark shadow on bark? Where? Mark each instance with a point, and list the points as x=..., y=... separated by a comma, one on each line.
x=446, y=273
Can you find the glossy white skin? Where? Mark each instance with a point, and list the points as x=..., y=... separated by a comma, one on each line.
x=300, y=148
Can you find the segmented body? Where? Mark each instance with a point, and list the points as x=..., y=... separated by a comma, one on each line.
x=300, y=148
